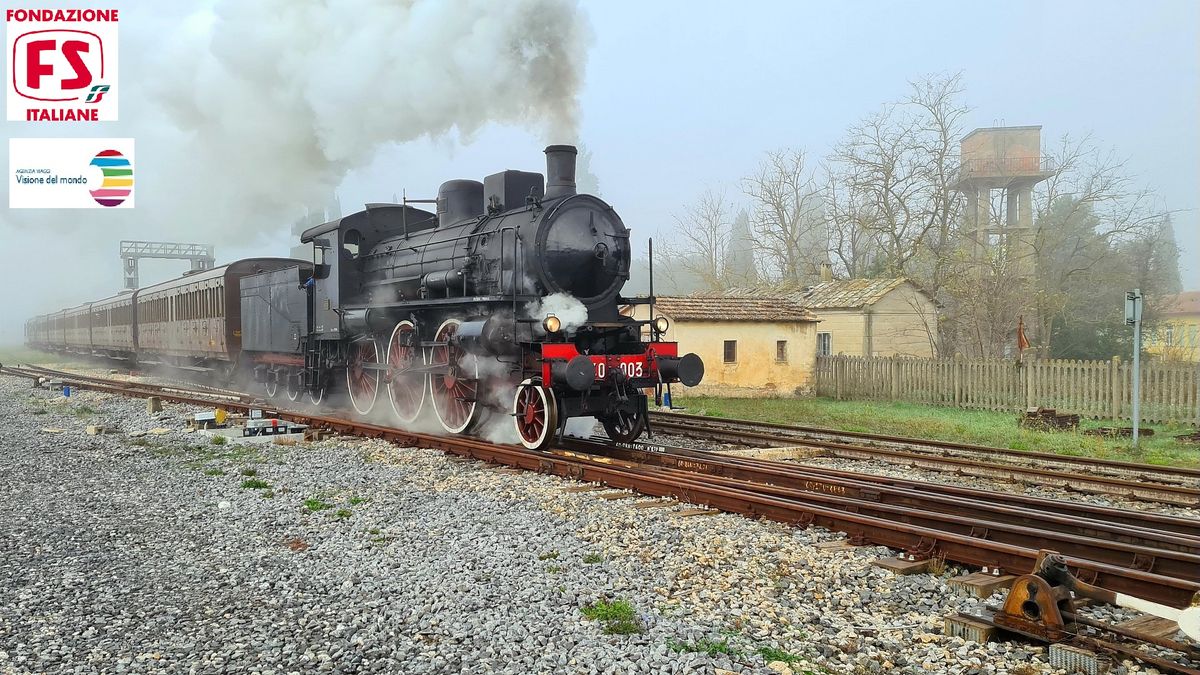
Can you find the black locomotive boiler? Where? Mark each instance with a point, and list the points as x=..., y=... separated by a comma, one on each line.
x=506, y=300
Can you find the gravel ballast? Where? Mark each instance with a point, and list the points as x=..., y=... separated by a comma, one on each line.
x=165, y=552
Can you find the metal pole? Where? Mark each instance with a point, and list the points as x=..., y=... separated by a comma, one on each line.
x=1137, y=362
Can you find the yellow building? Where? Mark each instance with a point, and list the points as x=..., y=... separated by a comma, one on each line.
x=1176, y=337
x=758, y=346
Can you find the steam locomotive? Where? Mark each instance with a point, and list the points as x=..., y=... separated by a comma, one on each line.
x=506, y=300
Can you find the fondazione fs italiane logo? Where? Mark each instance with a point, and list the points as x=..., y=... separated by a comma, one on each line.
x=61, y=65
x=71, y=173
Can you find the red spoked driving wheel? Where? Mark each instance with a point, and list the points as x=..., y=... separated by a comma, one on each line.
x=406, y=388
x=453, y=380
x=361, y=379
x=535, y=414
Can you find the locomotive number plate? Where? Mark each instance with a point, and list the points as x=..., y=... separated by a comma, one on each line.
x=630, y=366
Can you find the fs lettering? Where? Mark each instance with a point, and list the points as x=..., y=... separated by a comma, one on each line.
x=59, y=65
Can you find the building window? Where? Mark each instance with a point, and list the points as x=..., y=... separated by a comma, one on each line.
x=731, y=351
x=824, y=344
x=1170, y=336
x=781, y=351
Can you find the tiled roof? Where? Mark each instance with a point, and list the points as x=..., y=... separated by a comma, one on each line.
x=837, y=294
x=726, y=308
x=1187, y=302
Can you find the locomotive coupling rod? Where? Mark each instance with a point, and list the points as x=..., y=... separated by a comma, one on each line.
x=1052, y=567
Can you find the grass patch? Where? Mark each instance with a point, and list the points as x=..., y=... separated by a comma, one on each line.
x=38, y=411
x=618, y=616
x=705, y=646
x=980, y=427
x=592, y=559
x=255, y=484
x=140, y=442
x=355, y=501
x=249, y=472
x=313, y=505
x=268, y=494
x=554, y=569
x=552, y=555
x=214, y=471
x=219, y=440
x=342, y=514
x=773, y=654
x=83, y=411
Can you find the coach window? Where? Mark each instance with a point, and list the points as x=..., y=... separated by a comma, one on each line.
x=781, y=351
x=731, y=351
x=824, y=344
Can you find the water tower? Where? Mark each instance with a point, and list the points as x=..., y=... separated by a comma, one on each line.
x=1007, y=159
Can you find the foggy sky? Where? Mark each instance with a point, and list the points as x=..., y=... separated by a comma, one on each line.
x=679, y=96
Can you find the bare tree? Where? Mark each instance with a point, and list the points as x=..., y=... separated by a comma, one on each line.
x=698, y=249
x=892, y=177
x=788, y=216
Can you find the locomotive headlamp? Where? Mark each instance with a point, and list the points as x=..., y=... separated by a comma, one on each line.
x=661, y=324
x=551, y=323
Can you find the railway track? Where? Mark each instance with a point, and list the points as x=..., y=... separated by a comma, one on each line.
x=1143, y=482
x=1147, y=555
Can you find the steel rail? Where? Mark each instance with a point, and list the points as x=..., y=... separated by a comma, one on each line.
x=804, y=431
x=1189, y=527
x=973, y=512
x=694, y=488
x=1165, y=494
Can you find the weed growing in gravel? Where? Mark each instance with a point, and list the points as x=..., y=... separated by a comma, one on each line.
x=38, y=411
x=268, y=494
x=219, y=440
x=373, y=530
x=313, y=505
x=83, y=411
x=618, y=616
x=214, y=472
x=355, y=501
x=249, y=472
x=554, y=569
x=140, y=442
x=773, y=654
x=592, y=559
x=342, y=514
x=255, y=484
x=552, y=555
x=706, y=646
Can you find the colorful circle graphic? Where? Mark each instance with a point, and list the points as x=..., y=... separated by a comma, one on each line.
x=118, y=178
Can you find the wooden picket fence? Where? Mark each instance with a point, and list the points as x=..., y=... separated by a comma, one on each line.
x=1097, y=389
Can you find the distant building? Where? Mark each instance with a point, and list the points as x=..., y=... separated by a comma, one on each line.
x=1177, y=336
x=864, y=317
x=872, y=317
x=751, y=346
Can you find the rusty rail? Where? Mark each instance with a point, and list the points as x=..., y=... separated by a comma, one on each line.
x=1175, y=495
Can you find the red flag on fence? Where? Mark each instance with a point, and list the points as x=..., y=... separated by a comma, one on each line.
x=1022, y=341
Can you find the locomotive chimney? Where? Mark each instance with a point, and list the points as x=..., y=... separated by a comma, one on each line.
x=560, y=170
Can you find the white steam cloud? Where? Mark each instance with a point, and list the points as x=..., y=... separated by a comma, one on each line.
x=285, y=97
x=569, y=310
